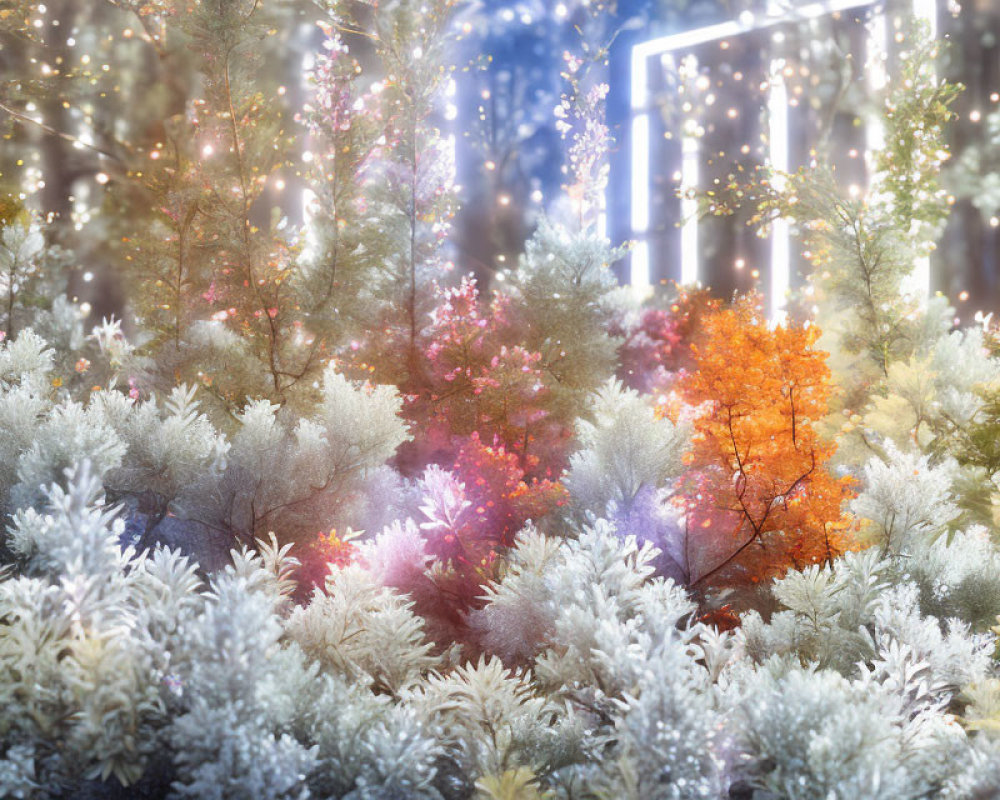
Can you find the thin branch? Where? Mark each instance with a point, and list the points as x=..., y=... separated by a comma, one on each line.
x=74, y=140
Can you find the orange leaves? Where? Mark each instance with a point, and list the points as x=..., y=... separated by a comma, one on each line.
x=760, y=465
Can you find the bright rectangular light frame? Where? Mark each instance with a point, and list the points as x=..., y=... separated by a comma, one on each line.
x=640, y=276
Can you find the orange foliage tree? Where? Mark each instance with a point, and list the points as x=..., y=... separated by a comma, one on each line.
x=760, y=497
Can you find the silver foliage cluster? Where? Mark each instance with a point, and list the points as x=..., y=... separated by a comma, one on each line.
x=111, y=661
x=594, y=679
x=269, y=469
x=622, y=449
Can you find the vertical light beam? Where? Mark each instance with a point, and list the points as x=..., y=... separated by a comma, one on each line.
x=878, y=44
x=640, y=174
x=777, y=116
x=639, y=273
x=639, y=263
x=690, y=154
x=920, y=284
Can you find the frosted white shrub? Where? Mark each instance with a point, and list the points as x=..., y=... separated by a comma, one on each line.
x=169, y=447
x=493, y=719
x=670, y=734
x=959, y=576
x=236, y=693
x=363, y=632
x=954, y=655
x=811, y=734
x=827, y=616
x=287, y=473
x=906, y=499
x=622, y=449
x=519, y=614
x=74, y=664
x=70, y=434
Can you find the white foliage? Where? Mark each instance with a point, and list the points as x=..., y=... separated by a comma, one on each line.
x=69, y=435
x=670, y=735
x=268, y=570
x=555, y=259
x=168, y=448
x=20, y=247
x=25, y=364
x=111, y=341
x=294, y=474
x=225, y=741
x=597, y=598
x=573, y=589
x=493, y=719
x=224, y=757
x=17, y=773
x=361, y=424
x=813, y=734
x=75, y=663
x=610, y=638
x=959, y=576
x=443, y=501
x=563, y=287
x=398, y=555
x=594, y=678
x=954, y=656
x=829, y=611
x=367, y=746
x=25, y=361
x=518, y=616
x=622, y=450
x=40, y=538
x=907, y=499
x=363, y=632
x=961, y=363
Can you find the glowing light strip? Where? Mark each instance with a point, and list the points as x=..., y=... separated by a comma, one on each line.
x=639, y=262
x=781, y=248
x=690, y=153
x=878, y=43
x=920, y=282
x=640, y=174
